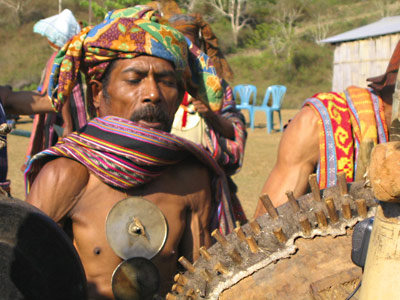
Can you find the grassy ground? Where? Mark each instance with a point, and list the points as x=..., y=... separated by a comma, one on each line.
x=259, y=159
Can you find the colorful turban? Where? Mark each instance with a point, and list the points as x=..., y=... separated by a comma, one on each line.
x=128, y=33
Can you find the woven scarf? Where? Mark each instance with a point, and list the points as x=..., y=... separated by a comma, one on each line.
x=345, y=120
x=125, y=155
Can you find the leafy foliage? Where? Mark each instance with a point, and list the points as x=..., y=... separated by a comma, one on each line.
x=271, y=48
x=100, y=8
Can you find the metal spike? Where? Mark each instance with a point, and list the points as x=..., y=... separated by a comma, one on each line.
x=220, y=238
x=362, y=207
x=321, y=219
x=181, y=279
x=252, y=244
x=312, y=180
x=267, y=203
x=255, y=227
x=170, y=296
x=240, y=234
x=221, y=268
x=332, y=210
x=177, y=288
x=207, y=276
x=292, y=201
x=346, y=208
x=186, y=264
x=278, y=232
x=191, y=294
x=235, y=256
x=203, y=252
x=341, y=179
x=305, y=223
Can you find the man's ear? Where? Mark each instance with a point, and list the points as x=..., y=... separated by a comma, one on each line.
x=97, y=92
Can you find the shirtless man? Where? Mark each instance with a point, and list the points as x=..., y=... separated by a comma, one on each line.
x=299, y=151
x=142, y=94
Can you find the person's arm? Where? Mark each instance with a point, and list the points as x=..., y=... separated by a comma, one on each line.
x=298, y=155
x=228, y=151
x=217, y=121
x=57, y=187
x=24, y=102
x=197, y=231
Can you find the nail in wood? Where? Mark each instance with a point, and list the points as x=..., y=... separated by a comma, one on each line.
x=305, y=224
x=332, y=210
x=252, y=244
x=177, y=288
x=220, y=238
x=186, y=264
x=346, y=208
x=341, y=179
x=240, y=234
x=362, y=207
x=255, y=227
x=312, y=180
x=235, y=256
x=292, y=201
x=204, y=253
x=267, y=203
x=321, y=219
x=278, y=232
x=181, y=279
x=170, y=296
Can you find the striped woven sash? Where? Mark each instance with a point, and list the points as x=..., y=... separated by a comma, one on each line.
x=125, y=155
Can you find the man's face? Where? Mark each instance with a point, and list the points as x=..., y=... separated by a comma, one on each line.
x=142, y=89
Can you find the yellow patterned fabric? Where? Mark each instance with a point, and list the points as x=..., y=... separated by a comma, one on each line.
x=346, y=120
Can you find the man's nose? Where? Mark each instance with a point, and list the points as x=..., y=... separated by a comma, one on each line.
x=151, y=91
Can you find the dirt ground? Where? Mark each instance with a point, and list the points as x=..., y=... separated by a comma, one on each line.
x=260, y=156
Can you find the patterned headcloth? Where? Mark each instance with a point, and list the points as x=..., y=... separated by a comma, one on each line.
x=128, y=33
x=58, y=29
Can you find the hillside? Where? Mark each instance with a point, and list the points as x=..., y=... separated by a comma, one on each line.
x=309, y=69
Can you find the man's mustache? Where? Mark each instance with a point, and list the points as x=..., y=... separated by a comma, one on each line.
x=152, y=114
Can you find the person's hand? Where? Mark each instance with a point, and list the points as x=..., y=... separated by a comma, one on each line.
x=202, y=108
x=5, y=91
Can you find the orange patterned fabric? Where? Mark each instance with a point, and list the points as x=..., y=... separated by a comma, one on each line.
x=345, y=120
x=365, y=126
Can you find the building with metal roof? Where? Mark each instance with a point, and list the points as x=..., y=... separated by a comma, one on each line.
x=363, y=52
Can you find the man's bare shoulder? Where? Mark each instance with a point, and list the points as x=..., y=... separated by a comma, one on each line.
x=61, y=170
x=306, y=118
x=58, y=186
x=300, y=140
x=190, y=175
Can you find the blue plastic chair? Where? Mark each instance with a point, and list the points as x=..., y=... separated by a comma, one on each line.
x=246, y=91
x=277, y=92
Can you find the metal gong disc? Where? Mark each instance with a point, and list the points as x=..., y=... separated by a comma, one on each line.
x=135, y=227
x=135, y=279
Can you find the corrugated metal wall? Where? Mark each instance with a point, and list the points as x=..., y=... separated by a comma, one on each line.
x=355, y=61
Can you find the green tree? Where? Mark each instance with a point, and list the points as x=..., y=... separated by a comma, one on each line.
x=18, y=7
x=99, y=8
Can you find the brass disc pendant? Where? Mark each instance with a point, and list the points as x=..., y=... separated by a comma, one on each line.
x=135, y=227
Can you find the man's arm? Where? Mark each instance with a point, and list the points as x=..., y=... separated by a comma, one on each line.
x=197, y=232
x=24, y=102
x=219, y=123
x=298, y=155
x=58, y=187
